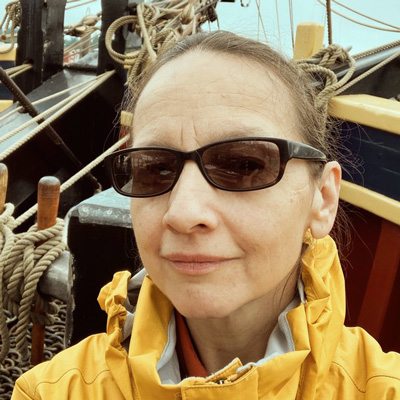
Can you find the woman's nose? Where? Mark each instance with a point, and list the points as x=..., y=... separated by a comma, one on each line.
x=192, y=205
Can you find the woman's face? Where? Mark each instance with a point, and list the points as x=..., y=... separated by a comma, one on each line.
x=213, y=252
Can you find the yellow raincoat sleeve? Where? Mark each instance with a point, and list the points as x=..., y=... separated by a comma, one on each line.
x=22, y=390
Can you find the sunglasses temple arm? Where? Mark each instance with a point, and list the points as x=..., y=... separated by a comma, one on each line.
x=305, y=152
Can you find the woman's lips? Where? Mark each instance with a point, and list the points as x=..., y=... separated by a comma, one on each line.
x=196, y=264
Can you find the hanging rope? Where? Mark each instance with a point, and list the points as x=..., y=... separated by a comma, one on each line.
x=328, y=57
x=359, y=22
x=13, y=16
x=23, y=259
x=160, y=28
x=366, y=16
x=329, y=20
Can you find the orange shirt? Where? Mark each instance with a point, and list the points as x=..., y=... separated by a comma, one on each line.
x=189, y=362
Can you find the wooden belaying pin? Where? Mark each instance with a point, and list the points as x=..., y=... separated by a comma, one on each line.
x=48, y=201
x=125, y=127
x=3, y=186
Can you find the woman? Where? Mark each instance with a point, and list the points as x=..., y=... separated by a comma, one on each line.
x=232, y=203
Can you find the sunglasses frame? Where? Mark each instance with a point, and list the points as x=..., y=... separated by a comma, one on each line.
x=288, y=149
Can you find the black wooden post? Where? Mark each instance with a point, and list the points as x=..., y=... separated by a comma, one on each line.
x=40, y=41
x=53, y=55
x=111, y=10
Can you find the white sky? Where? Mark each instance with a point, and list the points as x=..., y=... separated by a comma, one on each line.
x=244, y=20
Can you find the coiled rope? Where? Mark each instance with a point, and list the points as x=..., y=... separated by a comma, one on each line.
x=23, y=259
x=159, y=27
x=328, y=57
x=13, y=16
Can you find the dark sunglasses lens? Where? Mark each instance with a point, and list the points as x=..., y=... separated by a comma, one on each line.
x=145, y=172
x=245, y=164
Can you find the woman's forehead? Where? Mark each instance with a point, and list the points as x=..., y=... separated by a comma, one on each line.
x=213, y=92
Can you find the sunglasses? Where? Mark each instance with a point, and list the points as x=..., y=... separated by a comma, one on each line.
x=236, y=165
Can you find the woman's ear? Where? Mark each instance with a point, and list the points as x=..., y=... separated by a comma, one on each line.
x=326, y=200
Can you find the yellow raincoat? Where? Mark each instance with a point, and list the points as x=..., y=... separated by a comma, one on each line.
x=330, y=361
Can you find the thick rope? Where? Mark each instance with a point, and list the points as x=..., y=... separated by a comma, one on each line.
x=6, y=242
x=23, y=259
x=328, y=57
x=67, y=184
x=13, y=16
x=71, y=102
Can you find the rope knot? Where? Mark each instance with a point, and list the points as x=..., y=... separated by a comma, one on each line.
x=331, y=55
x=23, y=260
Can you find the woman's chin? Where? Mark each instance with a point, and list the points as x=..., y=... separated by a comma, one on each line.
x=203, y=307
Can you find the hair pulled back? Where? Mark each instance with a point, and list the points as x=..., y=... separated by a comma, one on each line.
x=311, y=124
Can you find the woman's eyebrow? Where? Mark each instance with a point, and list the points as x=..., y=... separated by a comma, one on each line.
x=160, y=140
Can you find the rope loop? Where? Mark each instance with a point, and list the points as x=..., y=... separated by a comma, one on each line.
x=23, y=259
x=328, y=57
x=160, y=27
x=13, y=16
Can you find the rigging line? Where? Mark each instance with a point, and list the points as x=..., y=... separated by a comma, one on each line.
x=260, y=20
x=377, y=49
x=368, y=72
x=79, y=5
x=80, y=42
x=44, y=99
x=329, y=20
x=32, y=211
x=279, y=28
x=57, y=114
x=365, y=16
x=16, y=68
x=39, y=117
x=44, y=114
x=84, y=49
x=291, y=21
x=21, y=70
x=258, y=23
x=358, y=22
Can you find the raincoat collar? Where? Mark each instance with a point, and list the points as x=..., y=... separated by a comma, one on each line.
x=282, y=376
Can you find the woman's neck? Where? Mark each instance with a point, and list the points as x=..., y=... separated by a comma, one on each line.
x=243, y=334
